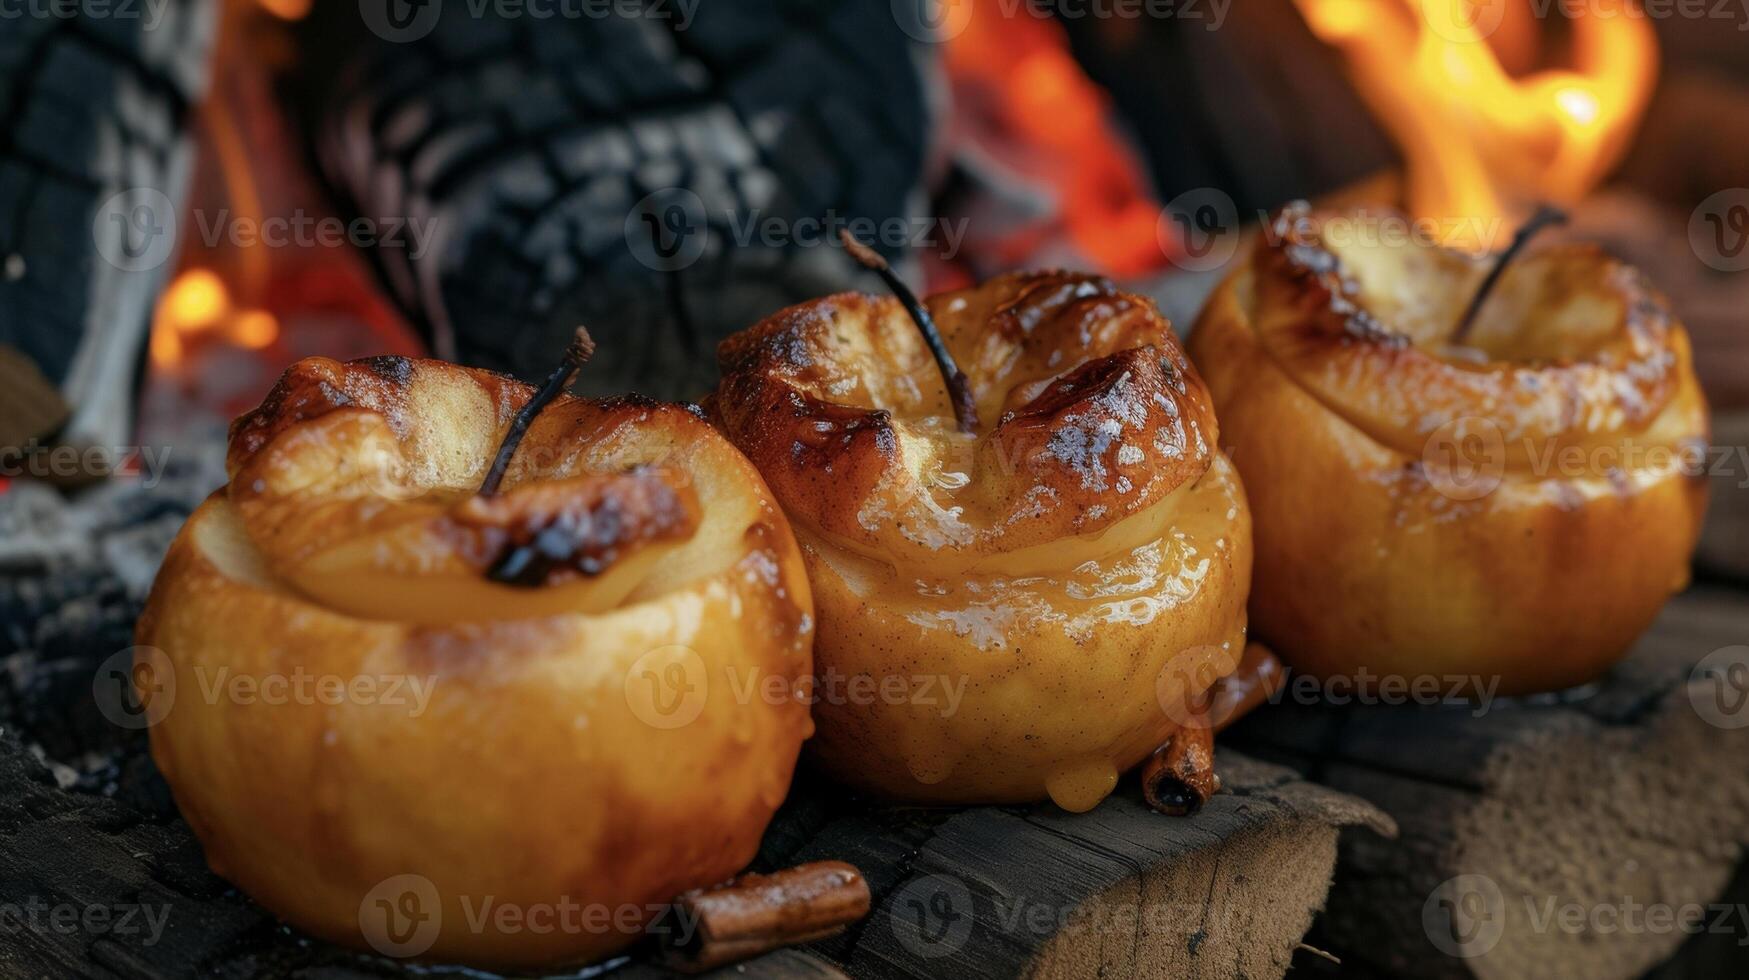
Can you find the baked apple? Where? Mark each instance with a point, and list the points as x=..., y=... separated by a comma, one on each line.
x=628, y=545
x=1512, y=502
x=1025, y=571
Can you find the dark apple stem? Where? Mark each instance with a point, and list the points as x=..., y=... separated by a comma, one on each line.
x=959, y=391
x=582, y=347
x=1545, y=216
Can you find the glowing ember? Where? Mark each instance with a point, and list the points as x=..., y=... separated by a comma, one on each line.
x=1478, y=142
x=197, y=307
x=1013, y=73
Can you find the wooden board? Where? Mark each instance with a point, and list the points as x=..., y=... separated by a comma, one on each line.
x=1634, y=793
x=983, y=892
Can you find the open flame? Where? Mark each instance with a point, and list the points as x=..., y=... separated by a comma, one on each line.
x=1021, y=96
x=1478, y=142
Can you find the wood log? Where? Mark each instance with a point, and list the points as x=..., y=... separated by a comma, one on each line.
x=95, y=155
x=86, y=823
x=1120, y=891
x=981, y=892
x=1536, y=832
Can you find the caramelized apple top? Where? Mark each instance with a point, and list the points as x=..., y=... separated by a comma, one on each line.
x=1571, y=347
x=1089, y=412
x=354, y=477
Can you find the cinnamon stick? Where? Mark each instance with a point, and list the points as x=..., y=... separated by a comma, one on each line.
x=1180, y=776
x=755, y=914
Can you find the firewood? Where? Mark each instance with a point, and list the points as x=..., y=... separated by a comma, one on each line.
x=1516, y=811
x=95, y=153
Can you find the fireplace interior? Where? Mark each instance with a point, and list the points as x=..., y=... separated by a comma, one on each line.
x=189, y=203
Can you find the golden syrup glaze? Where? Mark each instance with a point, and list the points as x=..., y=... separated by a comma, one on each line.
x=647, y=787
x=1089, y=414
x=1086, y=541
x=356, y=483
x=1515, y=510
x=1572, y=348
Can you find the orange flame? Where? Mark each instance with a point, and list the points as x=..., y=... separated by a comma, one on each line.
x=1477, y=142
x=1017, y=65
x=197, y=307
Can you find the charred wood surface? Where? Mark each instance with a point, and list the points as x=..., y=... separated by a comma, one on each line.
x=1633, y=790
x=648, y=176
x=94, y=162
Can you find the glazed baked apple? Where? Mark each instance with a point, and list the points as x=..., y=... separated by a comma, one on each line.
x=575, y=630
x=1023, y=588
x=1515, y=503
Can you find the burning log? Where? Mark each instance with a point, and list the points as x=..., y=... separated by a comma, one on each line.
x=663, y=184
x=93, y=161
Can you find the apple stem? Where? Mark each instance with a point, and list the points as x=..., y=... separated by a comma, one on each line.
x=1546, y=215
x=582, y=347
x=959, y=391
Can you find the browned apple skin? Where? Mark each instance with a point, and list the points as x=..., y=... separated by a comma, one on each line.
x=1363, y=562
x=1087, y=542
x=531, y=778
